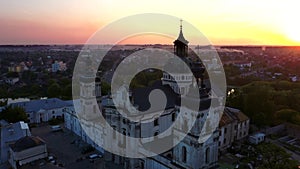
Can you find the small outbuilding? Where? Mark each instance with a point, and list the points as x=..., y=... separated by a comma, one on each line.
x=26, y=150
x=257, y=138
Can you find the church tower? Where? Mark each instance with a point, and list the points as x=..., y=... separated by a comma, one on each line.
x=181, y=44
x=181, y=80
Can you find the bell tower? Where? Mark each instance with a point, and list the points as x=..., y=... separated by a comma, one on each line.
x=181, y=44
x=180, y=80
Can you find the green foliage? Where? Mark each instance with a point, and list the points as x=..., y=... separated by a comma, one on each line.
x=275, y=157
x=55, y=121
x=54, y=90
x=67, y=92
x=3, y=103
x=13, y=114
x=287, y=115
x=3, y=91
x=145, y=78
x=260, y=100
x=28, y=76
x=12, y=74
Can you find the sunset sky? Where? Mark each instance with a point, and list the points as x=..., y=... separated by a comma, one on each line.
x=223, y=22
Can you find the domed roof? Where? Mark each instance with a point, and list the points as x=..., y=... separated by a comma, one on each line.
x=26, y=143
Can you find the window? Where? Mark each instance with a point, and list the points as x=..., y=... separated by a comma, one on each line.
x=124, y=138
x=114, y=132
x=225, y=130
x=173, y=117
x=224, y=142
x=184, y=154
x=207, y=154
x=53, y=112
x=142, y=165
x=156, y=122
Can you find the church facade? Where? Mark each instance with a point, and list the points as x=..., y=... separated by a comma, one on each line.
x=189, y=153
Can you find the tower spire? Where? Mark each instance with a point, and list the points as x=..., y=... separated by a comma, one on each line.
x=180, y=24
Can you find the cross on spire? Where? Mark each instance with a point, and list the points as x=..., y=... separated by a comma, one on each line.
x=181, y=24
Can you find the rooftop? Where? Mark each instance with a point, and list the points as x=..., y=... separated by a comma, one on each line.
x=26, y=143
x=45, y=104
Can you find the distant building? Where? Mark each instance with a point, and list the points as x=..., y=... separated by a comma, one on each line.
x=58, y=66
x=43, y=110
x=10, y=133
x=55, y=67
x=242, y=64
x=18, y=68
x=294, y=78
x=10, y=100
x=26, y=150
x=62, y=66
x=257, y=138
x=12, y=80
x=233, y=126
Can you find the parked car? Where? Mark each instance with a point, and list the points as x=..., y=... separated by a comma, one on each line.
x=94, y=156
x=56, y=128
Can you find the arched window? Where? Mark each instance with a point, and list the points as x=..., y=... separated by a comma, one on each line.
x=114, y=132
x=173, y=117
x=184, y=154
x=156, y=134
x=156, y=122
x=207, y=154
x=124, y=137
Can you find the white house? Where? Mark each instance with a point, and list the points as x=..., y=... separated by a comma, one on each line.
x=43, y=110
x=233, y=126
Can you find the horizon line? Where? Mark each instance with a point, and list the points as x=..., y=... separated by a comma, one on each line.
x=82, y=44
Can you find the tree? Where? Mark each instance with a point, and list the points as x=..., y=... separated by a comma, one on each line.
x=54, y=90
x=275, y=157
x=13, y=114
x=287, y=115
x=67, y=92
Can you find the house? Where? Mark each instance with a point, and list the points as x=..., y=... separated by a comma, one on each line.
x=12, y=80
x=242, y=64
x=10, y=133
x=43, y=110
x=26, y=150
x=233, y=126
x=257, y=138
